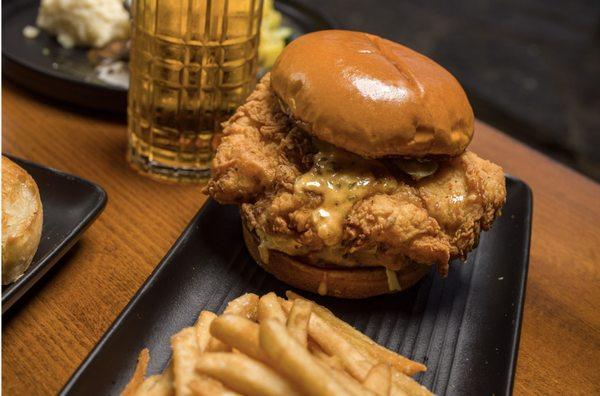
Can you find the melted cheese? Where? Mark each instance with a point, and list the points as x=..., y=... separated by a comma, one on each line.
x=341, y=179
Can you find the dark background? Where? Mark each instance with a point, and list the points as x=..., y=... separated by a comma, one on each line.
x=530, y=67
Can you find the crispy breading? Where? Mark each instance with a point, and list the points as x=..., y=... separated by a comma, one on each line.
x=259, y=150
x=464, y=196
x=430, y=221
x=398, y=224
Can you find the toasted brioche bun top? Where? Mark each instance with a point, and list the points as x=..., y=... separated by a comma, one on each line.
x=372, y=96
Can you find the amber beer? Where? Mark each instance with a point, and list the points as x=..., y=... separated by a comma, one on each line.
x=193, y=62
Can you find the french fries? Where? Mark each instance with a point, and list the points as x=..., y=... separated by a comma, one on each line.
x=159, y=385
x=297, y=321
x=271, y=346
x=269, y=307
x=202, y=327
x=244, y=374
x=363, y=343
x=138, y=374
x=408, y=385
x=185, y=353
x=334, y=344
x=296, y=362
x=206, y=386
x=246, y=306
x=156, y=385
x=240, y=333
x=379, y=379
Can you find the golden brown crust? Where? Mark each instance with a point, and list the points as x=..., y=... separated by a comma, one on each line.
x=401, y=224
x=342, y=283
x=21, y=220
x=430, y=221
x=260, y=150
x=372, y=96
x=465, y=196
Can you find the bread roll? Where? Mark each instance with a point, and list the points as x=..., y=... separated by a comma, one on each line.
x=21, y=220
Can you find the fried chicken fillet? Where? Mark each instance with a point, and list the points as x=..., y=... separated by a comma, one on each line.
x=265, y=159
x=349, y=163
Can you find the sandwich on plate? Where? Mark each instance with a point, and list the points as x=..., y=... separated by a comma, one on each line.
x=350, y=165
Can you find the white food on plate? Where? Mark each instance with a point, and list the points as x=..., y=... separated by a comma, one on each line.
x=21, y=220
x=30, y=32
x=84, y=23
x=114, y=73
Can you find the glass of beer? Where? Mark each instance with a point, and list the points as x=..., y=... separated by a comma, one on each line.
x=192, y=63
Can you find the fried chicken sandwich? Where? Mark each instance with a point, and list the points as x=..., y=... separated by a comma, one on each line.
x=350, y=167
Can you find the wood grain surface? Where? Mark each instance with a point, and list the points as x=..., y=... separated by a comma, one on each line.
x=46, y=337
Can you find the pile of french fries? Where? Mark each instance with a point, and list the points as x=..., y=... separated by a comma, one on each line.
x=267, y=346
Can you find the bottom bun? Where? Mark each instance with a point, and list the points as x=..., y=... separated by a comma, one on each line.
x=342, y=282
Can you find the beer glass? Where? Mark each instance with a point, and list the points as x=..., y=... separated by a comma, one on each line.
x=192, y=63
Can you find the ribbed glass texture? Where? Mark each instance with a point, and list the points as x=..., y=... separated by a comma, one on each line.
x=193, y=62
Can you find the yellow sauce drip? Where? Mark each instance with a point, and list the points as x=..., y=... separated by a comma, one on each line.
x=263, y=251
x=322, y=290
x=341, y=179
x=392, y=279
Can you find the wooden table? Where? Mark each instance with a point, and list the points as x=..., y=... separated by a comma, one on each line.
x=47, y=337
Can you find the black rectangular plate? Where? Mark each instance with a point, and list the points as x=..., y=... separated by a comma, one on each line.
x=465, y=328
x=70, y=205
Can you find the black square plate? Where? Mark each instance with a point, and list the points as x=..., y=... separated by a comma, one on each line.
x=70, y=205
x=465, y=328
